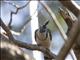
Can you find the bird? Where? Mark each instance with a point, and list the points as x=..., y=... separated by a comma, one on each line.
x=43, y=37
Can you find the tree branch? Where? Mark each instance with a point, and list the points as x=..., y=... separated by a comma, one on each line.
x=25, y=45
x=65, y=13
x=76, y=11
x=6, y=29
x=71, y=7
x=73, y=33
x=17, y=9
x=78, y=40
x=32, y=47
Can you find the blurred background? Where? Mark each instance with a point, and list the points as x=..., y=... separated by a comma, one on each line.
x=28, y=19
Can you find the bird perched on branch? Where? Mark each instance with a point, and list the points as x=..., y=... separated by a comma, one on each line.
x=43, y=37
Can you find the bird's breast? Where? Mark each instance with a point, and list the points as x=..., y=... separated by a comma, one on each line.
x=43, y=41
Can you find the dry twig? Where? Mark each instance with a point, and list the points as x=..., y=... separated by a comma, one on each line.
x=17, y=9
x=6, y=29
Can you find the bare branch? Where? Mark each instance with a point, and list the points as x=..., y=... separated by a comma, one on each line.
x=6, y=46
x=65, y=13
x=17, y=9
x=71, y=7
x=25, y=45
x=32, y=47
x=69, y=43
x=74, y=9
x=78, y=39
x=6, y=29
x=68, y=19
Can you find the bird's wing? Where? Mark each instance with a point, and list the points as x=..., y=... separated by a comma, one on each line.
x=50, y=34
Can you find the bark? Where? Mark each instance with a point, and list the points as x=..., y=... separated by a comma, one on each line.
x=69, y=43
x=71, y=7
x=10, y=51
x=75, y=11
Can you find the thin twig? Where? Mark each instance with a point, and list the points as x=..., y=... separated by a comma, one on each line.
x=6, y=29
x=17, y=9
